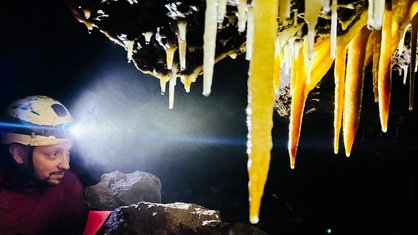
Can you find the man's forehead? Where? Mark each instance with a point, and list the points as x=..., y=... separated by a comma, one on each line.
x=64, y=145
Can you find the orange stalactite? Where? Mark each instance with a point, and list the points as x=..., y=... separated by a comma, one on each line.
x=413, y=61
x=353, y=89
x=384, y=79
x=320, y=64
x=297, y=105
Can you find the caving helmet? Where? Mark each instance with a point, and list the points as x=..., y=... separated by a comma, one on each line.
x=36, y=121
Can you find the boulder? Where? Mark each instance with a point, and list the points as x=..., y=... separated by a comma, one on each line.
x=172, y=218
x=117, y=189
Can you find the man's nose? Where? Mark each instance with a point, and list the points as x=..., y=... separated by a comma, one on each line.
x=64, y=163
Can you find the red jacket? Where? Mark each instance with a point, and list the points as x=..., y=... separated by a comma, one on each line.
x=43, y=209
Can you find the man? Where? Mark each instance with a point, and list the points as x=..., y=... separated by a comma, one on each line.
x=38, y=195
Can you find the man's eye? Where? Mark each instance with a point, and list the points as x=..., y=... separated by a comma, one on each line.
x=53, y=155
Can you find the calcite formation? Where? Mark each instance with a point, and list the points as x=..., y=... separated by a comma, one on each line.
x=181, y=39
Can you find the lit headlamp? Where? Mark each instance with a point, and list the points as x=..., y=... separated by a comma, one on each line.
x=61, y=131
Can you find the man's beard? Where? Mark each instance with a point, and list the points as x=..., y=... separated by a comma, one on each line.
x=54, y=178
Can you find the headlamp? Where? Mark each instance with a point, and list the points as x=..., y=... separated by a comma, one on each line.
x=61, y=131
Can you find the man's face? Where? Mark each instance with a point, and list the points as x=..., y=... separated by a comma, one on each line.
x=51, y=161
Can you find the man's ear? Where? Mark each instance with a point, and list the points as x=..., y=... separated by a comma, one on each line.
x=18, y=152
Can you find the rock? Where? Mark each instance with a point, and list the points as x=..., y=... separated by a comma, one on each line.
x=155, y=218
x=118, y=189
x=152, y=27
x=172, y=218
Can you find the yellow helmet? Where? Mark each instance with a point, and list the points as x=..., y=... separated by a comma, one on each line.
x=36, y=121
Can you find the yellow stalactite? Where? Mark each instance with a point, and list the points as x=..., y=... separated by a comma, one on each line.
x=339, y=77
x=276, y=73
x=261, y=101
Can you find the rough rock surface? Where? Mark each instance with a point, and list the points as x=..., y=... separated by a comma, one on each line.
x=149, y=28
x=172, y=218
x=117, y=189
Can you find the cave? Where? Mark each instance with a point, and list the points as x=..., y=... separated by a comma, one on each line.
x=198, y=147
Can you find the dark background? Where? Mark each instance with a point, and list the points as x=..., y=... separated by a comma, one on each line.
x=198, y=148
